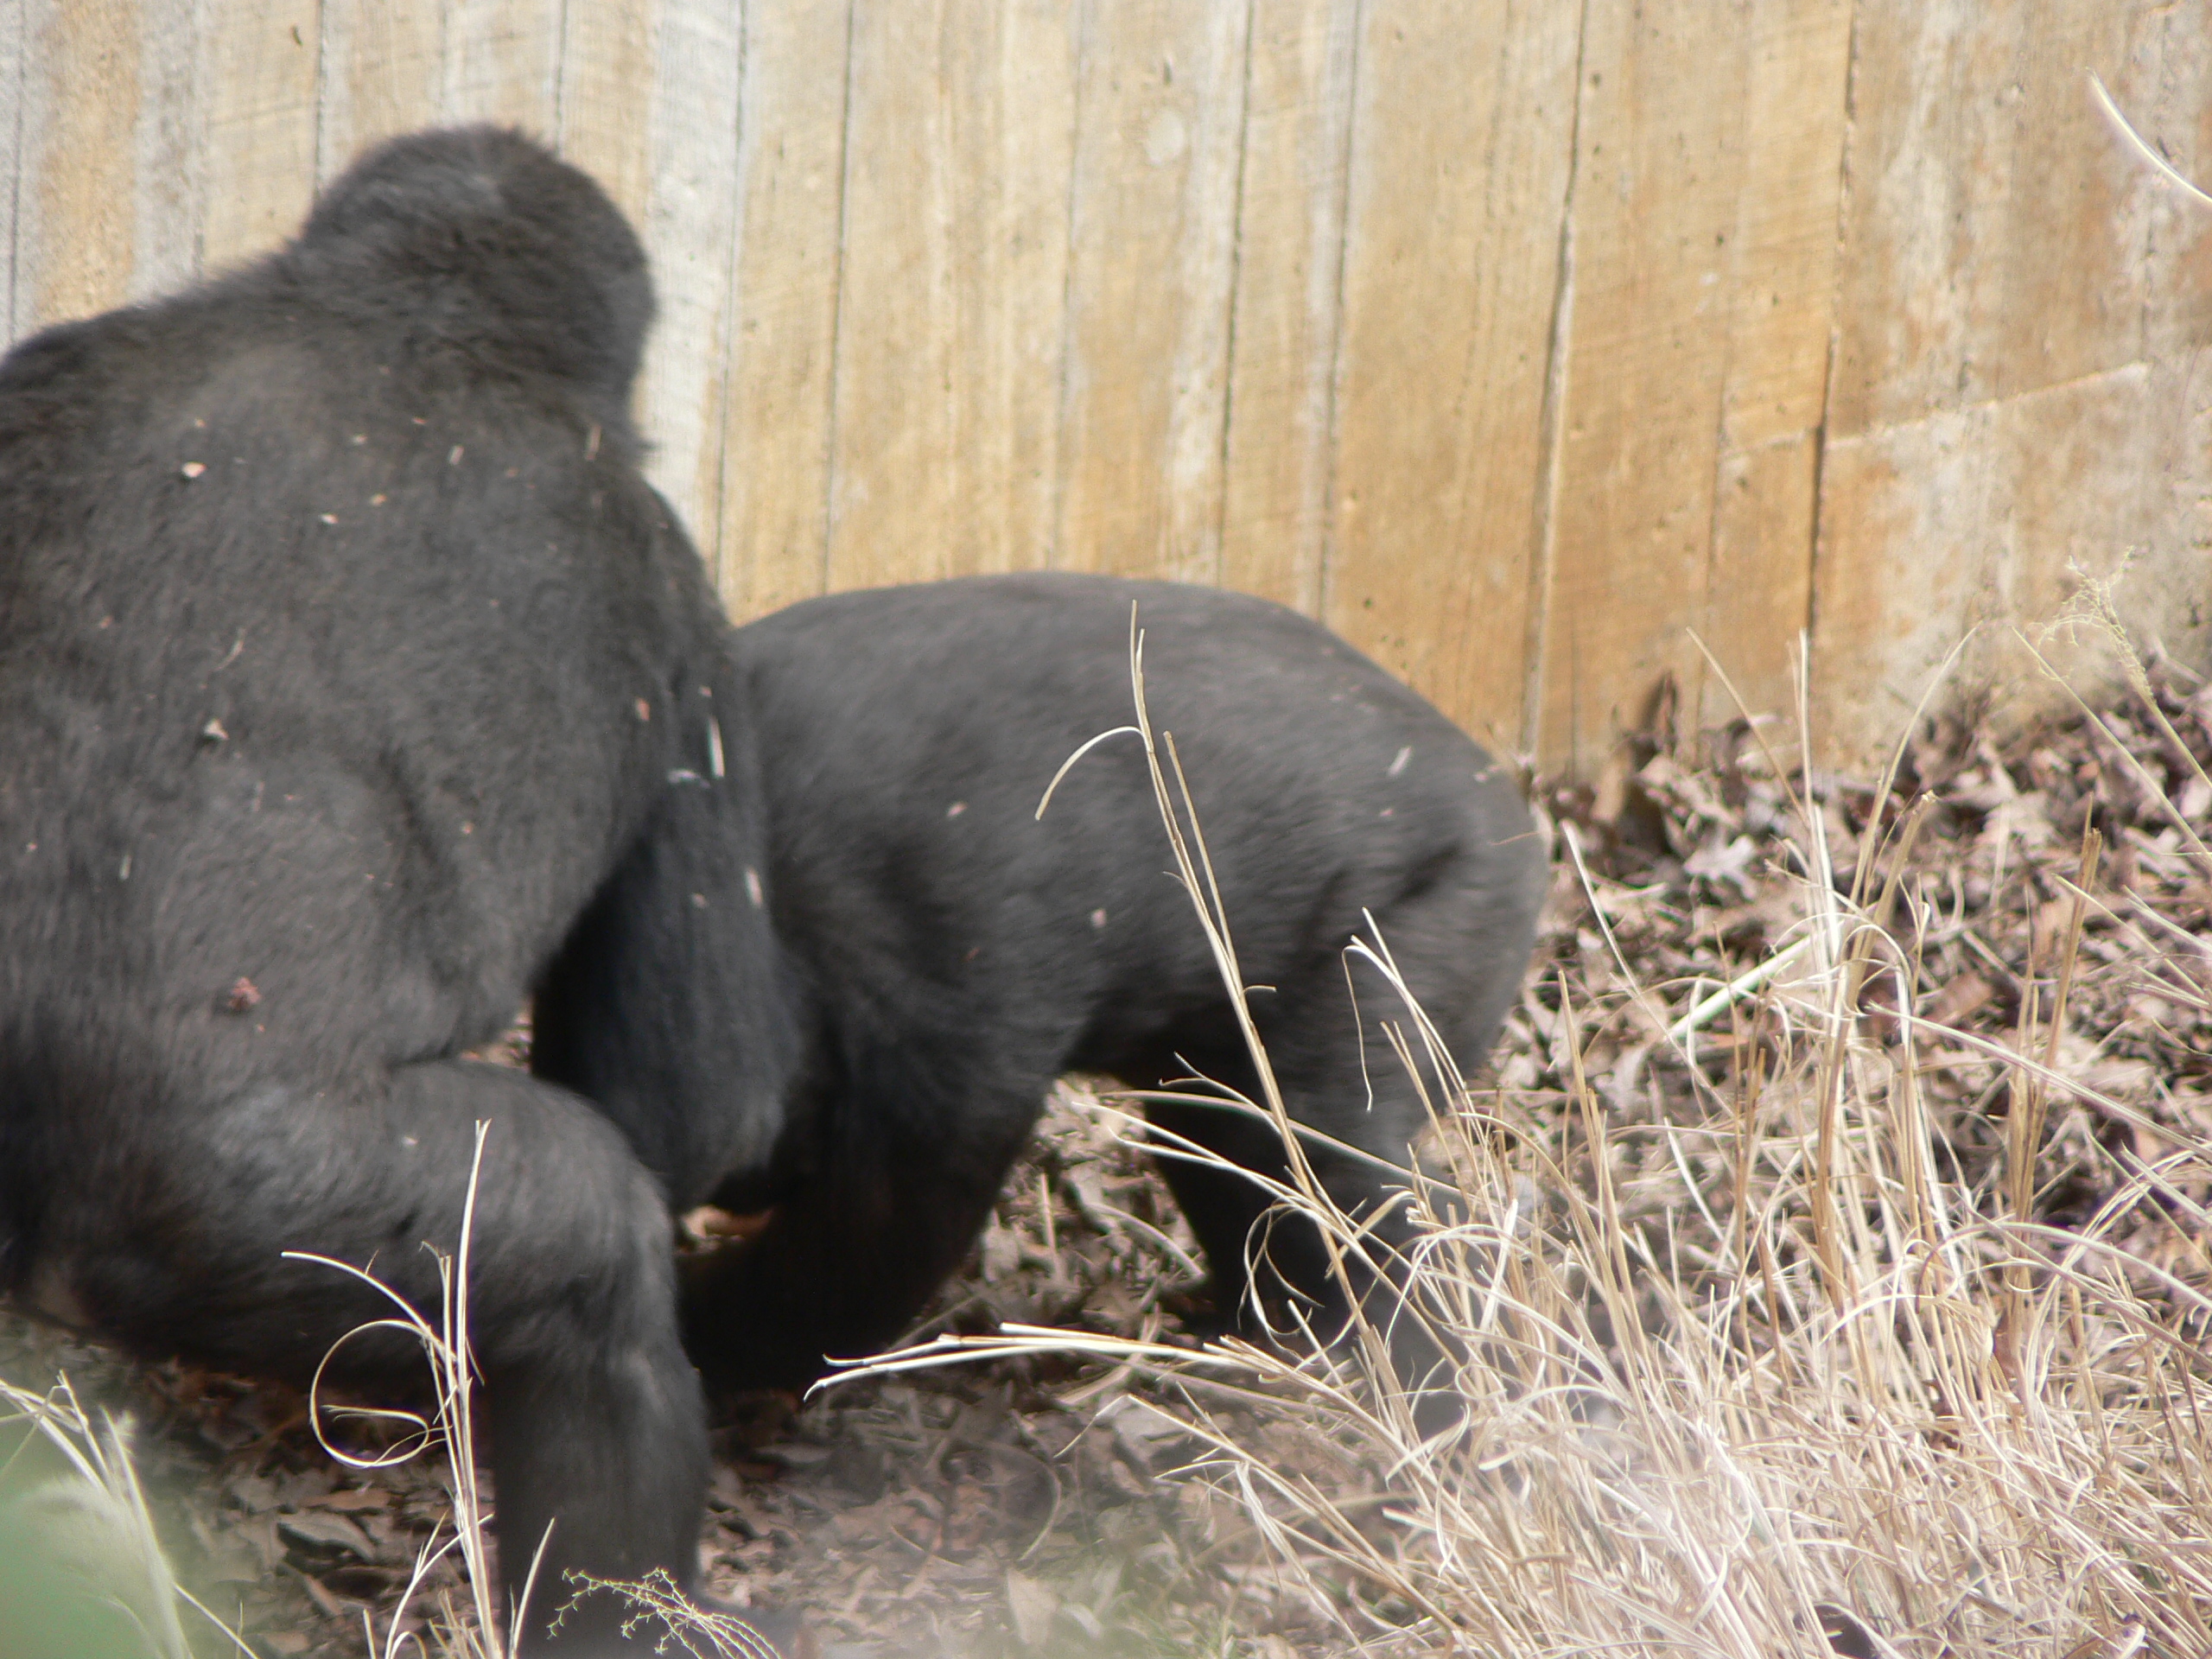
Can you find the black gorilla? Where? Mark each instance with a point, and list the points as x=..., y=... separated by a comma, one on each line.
x=344, y=655
x=945, y=955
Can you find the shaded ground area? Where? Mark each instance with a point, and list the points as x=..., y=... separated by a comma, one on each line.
x=1032, y=1505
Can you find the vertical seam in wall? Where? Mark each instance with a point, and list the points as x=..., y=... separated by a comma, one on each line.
x=1325, y=584
x=560, y=76
x=1827, y=375
x=1236, y=281
x=1705, y=634
x=442, y=105
x=732, y=312
x=955, y=393
x=196, y=145
x=442, y=100
x=1536, y=622
x=2143, y=265
x=12, y=323
x=1056, y=552
x=321, y=92
x=837, y=298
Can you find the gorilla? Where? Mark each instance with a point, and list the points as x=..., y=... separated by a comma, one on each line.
x=345, y=658
x=356, y=690
x=945, y=953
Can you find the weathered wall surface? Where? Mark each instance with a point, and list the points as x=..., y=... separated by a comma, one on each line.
x=1520, y=340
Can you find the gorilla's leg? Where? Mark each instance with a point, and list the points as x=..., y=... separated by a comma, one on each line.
x=1356, y=1094
x=1248, y=1249
x=1262, y=1258
x=899, y=1189
x=596, y=1423
x=1224, y=1208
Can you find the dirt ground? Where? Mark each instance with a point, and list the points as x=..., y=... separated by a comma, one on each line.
x=1035, y=1504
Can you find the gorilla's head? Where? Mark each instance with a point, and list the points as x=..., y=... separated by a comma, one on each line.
x=478, y=236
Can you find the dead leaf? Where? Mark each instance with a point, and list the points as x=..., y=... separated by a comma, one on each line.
x=355, y=1501
x=327, y=1534
x=1142, y=1431
x=1961, y=998
x=255, y=1494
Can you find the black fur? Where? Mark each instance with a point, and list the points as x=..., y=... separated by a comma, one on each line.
x=344, y=654
x=950, y=955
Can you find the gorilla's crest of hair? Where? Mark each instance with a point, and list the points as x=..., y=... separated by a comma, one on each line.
x=479, y=239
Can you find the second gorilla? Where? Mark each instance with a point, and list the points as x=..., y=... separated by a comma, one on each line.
x=942, y=954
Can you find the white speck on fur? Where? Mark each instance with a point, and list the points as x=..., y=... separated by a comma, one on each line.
x=1399, y=765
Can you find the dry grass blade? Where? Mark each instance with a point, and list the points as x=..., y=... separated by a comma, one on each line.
x=452, y=1428
x=2134, y=140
